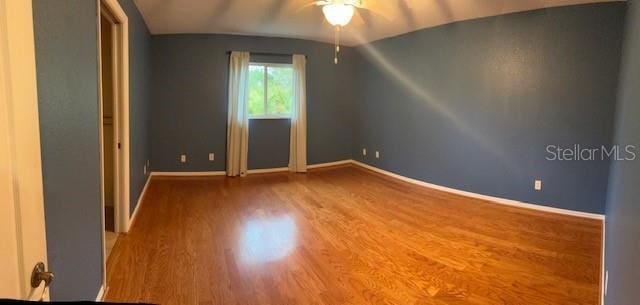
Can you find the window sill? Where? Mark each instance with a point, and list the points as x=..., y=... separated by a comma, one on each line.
x=270, y=117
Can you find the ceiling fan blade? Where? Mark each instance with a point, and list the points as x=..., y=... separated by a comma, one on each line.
x=386, y=15
x=357, y=20
x=310, y=4
x=381, y=8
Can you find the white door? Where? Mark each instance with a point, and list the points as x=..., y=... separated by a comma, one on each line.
x=22, y=230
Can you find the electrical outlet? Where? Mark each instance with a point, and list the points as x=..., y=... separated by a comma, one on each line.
x=537, y=185
x=364, y=151
x=183, y=158
x=212, y=157
x=377, y=154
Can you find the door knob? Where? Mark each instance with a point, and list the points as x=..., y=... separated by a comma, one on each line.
x=39, y=275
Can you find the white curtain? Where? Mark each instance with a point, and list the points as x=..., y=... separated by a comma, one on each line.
x=238, y=121
x=298, y=144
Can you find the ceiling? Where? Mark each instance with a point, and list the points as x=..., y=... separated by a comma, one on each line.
x=301, y=19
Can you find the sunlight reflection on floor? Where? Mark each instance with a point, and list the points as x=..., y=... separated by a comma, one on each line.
x=266, y=240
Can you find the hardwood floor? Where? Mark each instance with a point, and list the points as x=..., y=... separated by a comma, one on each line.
x=110, y=239
x=346, y=236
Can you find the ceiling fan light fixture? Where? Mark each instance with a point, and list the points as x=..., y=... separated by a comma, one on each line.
x=338, y=14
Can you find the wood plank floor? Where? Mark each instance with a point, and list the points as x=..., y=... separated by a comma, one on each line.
x=346, y=236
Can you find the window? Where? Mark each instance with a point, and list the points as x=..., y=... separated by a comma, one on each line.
x=270, y=90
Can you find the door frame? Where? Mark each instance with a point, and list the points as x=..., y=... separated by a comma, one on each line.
x=121, y=117
x=23, y=228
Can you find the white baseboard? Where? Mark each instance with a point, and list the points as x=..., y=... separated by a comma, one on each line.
x=139, y=203
x=267, y=170
x=499, y=200
x=188, y=174
x=329, y=164
x=100, y=296
x=285, y=169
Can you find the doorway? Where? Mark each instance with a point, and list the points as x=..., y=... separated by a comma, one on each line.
x=109, y=126
x=113, y=49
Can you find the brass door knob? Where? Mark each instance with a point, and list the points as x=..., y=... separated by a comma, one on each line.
x=39, y=275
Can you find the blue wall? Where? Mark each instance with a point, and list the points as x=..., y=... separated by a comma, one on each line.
x=623, y=205
x=67, y=68
x=190, y=102
x=472, y=105
x=269, y=143
x=139, y=100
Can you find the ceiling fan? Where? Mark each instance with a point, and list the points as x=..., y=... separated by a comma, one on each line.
x=339, y=13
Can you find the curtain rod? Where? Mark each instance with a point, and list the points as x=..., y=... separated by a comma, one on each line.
x=270, y=53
